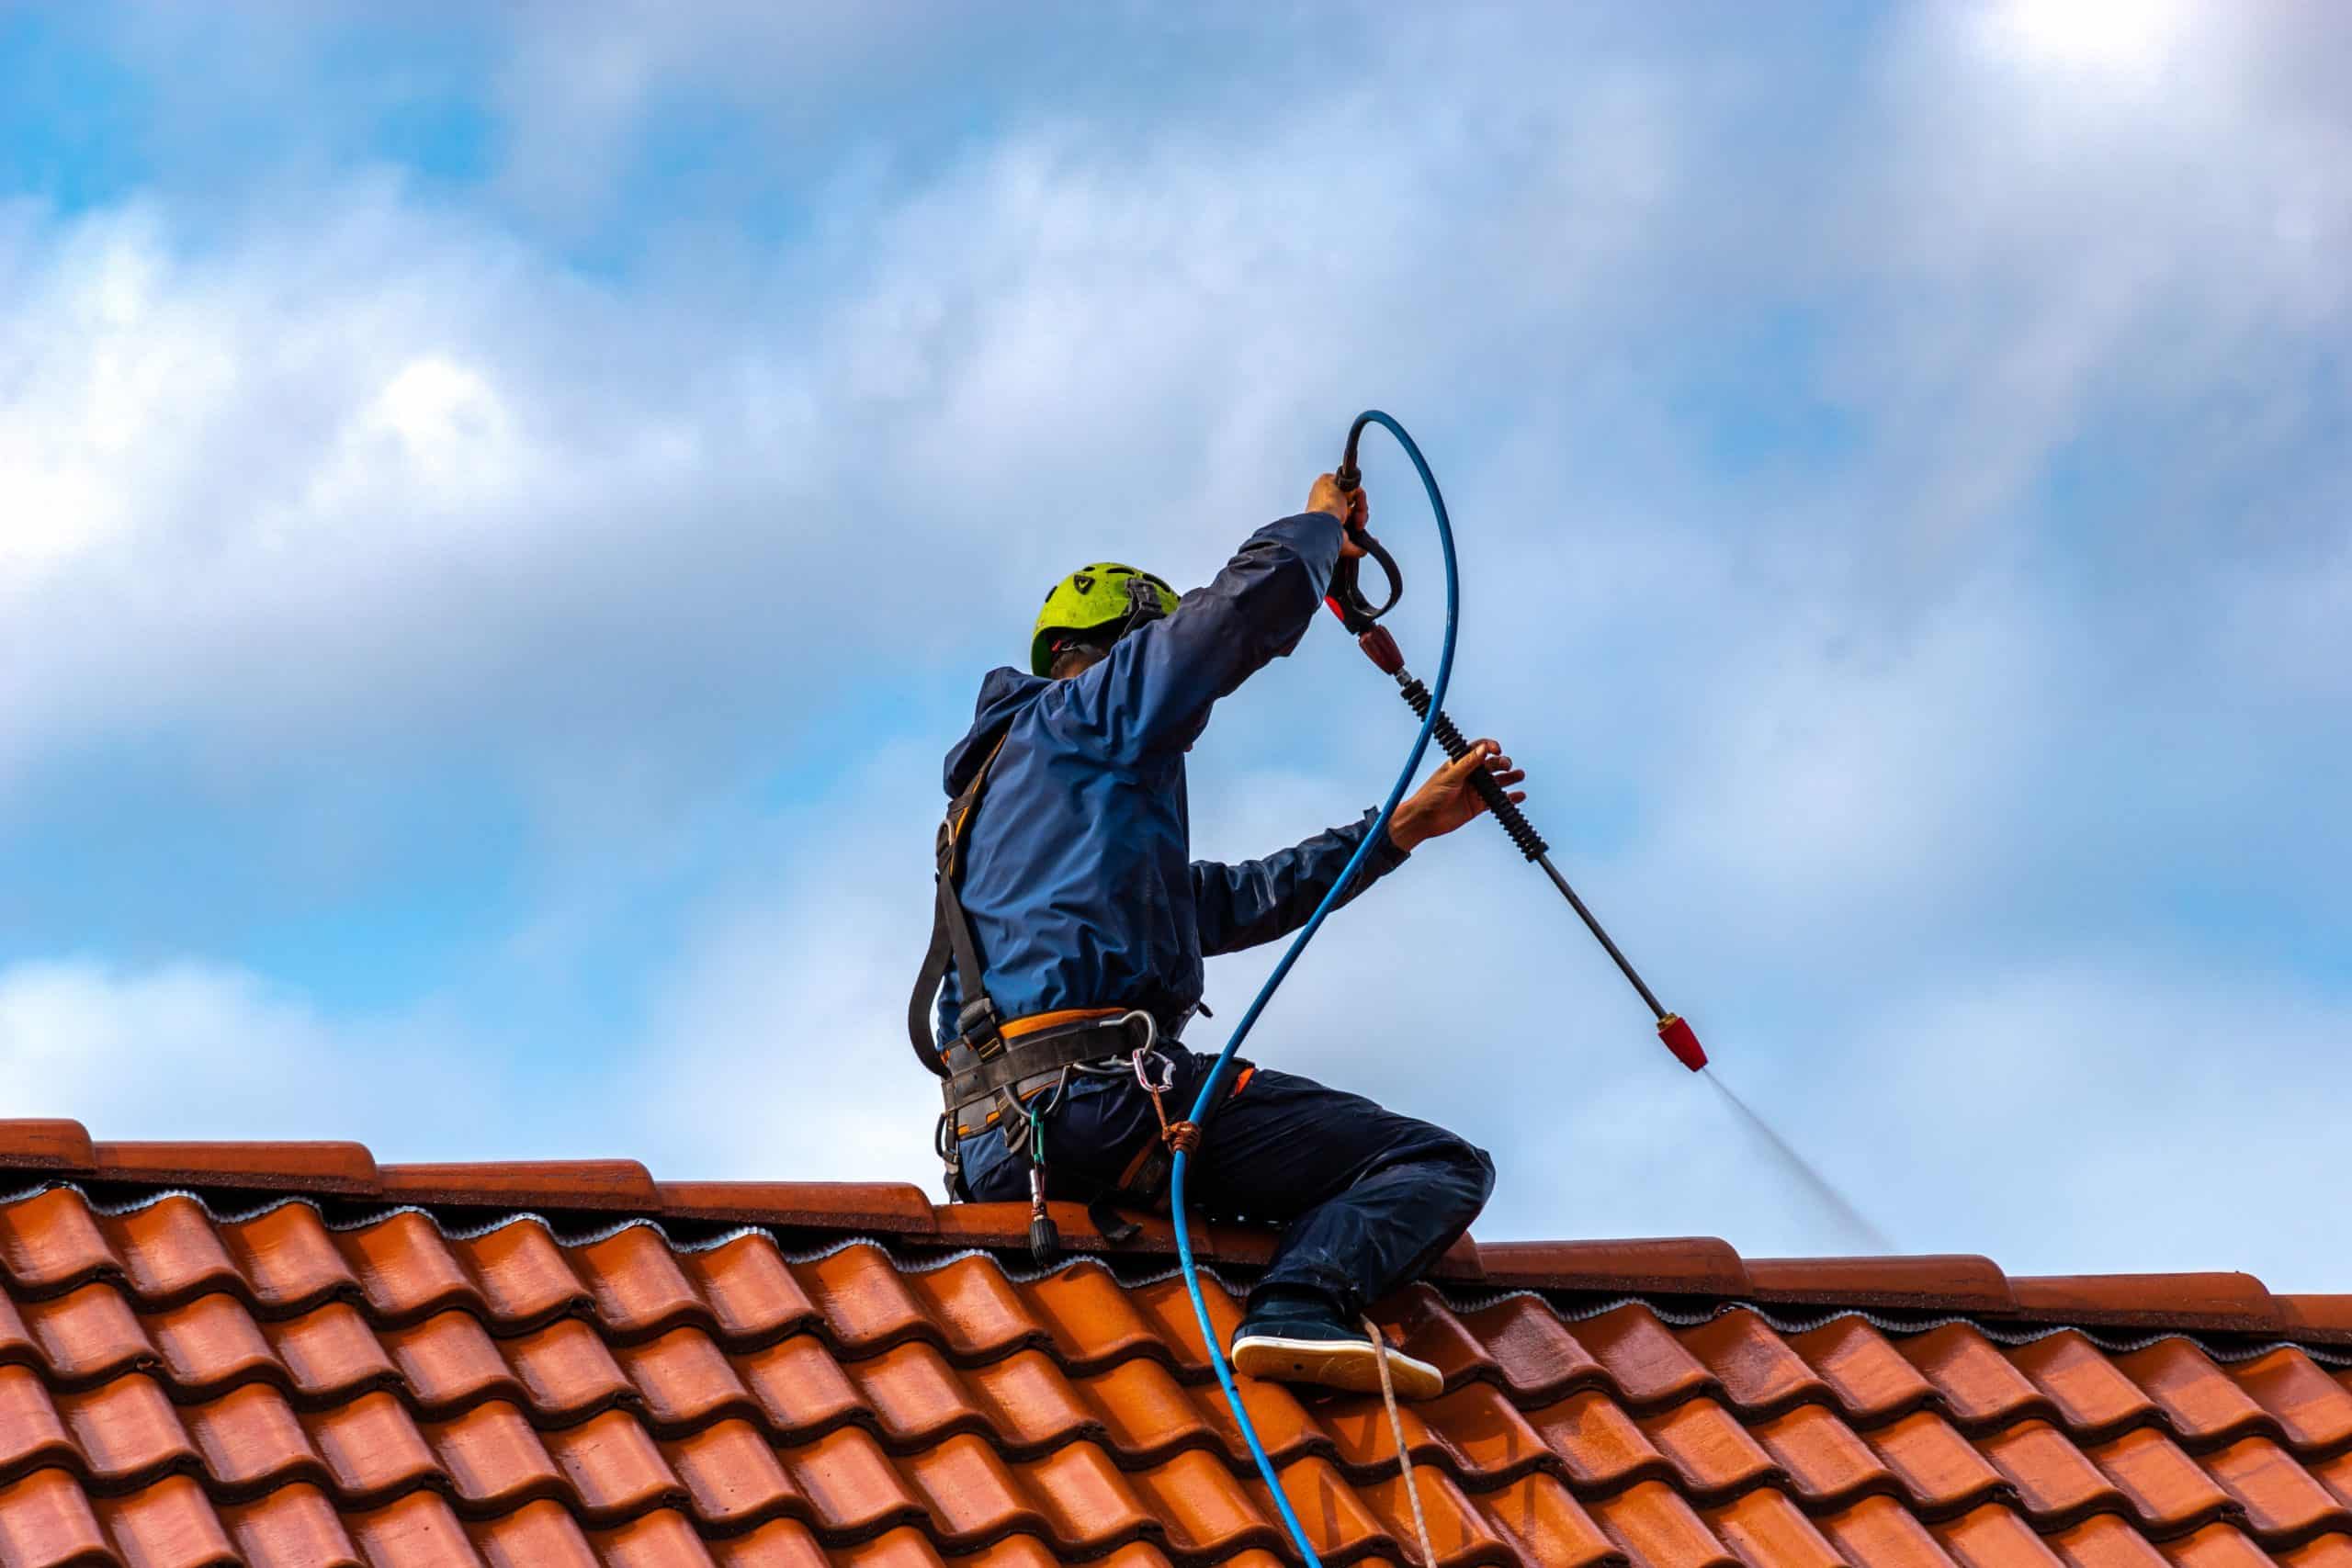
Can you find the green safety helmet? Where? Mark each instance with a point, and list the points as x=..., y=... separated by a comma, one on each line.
x=1093, y=598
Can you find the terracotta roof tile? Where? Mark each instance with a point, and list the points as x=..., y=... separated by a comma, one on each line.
x=301, y=1358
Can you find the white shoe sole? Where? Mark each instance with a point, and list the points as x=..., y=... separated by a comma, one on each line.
x=1349, y=1364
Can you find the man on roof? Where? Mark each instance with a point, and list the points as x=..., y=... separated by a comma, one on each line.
x=1073, y=920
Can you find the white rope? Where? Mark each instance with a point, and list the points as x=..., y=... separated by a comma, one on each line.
x=1396, y=1430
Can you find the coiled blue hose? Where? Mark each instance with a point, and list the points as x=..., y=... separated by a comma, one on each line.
x=1216, y=1080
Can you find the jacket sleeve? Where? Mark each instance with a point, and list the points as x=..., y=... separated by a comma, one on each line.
x=1154, y=692
x=1258, y=900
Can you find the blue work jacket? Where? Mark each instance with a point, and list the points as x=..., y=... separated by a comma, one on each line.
x=1079, y=880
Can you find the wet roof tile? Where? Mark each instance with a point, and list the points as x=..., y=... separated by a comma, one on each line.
x=300, y=1357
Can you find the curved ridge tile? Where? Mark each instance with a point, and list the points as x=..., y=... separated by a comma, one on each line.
x=1953, y=1282
x=318, y=1167
x=2233, y=1302
x=1696, y=1265
x=45, y=1143
x=586, y=1184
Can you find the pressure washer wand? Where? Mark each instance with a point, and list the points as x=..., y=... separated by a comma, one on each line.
x=1356, y=612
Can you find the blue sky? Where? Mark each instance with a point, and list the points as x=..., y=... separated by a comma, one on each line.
x=500, y=514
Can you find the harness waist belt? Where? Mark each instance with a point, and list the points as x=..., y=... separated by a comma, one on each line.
x=1035, y=1052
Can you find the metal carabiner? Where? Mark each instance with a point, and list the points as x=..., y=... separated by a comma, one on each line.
x=1149, y=1050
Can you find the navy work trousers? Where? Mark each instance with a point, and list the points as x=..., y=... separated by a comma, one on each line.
x=1367, y=1198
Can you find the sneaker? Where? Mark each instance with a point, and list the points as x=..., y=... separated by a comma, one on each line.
x=1312, y=1348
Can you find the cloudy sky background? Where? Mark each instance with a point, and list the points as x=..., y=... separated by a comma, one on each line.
x=500, y=517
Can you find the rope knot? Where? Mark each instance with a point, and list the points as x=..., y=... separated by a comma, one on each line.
x=1184, y=1137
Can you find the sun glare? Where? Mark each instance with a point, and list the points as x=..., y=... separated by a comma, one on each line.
x=2122, y=37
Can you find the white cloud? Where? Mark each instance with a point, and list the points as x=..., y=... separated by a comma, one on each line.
x=1826, y=733
x=202, y=1051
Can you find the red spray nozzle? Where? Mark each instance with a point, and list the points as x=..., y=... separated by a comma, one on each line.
x=1675, y=1032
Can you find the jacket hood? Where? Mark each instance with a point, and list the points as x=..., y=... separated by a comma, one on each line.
x=1003, y=696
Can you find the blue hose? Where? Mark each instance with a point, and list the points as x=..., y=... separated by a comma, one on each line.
x=1215, y=1082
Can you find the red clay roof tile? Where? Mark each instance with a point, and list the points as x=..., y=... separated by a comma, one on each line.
x=203, y=1379
x=280, y=1167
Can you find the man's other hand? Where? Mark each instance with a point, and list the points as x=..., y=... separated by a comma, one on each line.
x=1352, y=507
x=1450, y=799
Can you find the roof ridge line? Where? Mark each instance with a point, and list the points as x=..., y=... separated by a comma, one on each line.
x=1461, y=1303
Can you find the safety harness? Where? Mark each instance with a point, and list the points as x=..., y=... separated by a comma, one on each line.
x=1010, y=1074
